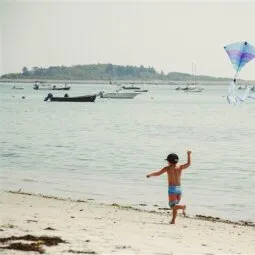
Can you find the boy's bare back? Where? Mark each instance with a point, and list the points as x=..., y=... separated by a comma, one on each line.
x=174, y=173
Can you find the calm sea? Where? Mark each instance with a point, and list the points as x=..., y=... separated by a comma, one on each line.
x=104, y=150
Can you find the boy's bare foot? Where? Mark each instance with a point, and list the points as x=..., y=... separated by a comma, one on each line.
x=172, y=222
x=184, y=211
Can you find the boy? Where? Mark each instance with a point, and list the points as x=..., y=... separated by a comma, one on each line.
x=174, y=172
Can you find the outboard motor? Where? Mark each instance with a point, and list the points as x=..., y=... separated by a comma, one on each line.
x=50, y=96
x=101, y=94
x=36, y=86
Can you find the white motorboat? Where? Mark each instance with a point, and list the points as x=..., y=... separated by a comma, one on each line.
x=118, y=95
x=45, y=86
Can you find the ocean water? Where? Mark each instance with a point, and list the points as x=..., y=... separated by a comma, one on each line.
x=104, y=150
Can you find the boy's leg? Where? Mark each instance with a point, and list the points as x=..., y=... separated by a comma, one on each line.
x=182, y=207
x=175, y=210
x=174, y=214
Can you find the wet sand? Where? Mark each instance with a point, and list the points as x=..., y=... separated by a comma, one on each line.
x=53, y=225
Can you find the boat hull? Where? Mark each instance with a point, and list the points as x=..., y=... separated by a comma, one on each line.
x=87, y=98
x=119, y=95
x=141, y=90
x=49, y=87
x=130, y=88
x=64, y=88
x=42, y=88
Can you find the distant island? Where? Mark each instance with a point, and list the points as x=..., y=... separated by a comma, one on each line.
x=107, y=72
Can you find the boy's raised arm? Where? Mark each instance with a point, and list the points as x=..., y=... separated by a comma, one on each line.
x=186, y=165
x=163, y=170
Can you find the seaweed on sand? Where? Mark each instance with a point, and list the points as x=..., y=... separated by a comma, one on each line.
x=35, y=244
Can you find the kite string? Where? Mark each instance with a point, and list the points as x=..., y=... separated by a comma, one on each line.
x=236, y=99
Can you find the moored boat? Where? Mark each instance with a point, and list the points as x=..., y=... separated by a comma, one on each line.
x=42, y=86
x=132, y=87
x=45, y=86
x=66, y=98
x=118, y=95
x=54, y=87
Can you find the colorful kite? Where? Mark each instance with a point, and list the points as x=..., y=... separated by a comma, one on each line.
x=240, y=53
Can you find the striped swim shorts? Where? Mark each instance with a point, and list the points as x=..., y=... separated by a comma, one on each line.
x=174, y=195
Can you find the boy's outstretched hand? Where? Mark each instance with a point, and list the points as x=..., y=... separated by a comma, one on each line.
x=189, y=151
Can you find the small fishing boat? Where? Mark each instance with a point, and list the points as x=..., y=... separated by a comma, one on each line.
x=66, y=98
x=54, y=87
x=132, y=87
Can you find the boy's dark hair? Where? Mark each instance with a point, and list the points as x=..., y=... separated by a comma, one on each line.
x=172, y=158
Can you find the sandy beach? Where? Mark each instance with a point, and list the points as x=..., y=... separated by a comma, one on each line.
x=89, y=227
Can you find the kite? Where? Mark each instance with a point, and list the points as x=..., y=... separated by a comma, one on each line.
x=240, y=54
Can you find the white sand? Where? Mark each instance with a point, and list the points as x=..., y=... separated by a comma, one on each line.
x=103, y=229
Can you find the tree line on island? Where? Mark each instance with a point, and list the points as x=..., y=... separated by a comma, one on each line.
x=104, y=72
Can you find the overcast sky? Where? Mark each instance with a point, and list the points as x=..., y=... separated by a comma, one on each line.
x=167, y=35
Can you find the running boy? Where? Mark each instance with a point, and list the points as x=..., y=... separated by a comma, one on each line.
x=174, y=172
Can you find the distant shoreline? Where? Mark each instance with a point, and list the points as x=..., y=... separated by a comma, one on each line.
x=149, y=82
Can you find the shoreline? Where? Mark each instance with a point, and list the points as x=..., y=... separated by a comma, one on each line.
x=55, y=225
x=121, y=82
x=161, y=210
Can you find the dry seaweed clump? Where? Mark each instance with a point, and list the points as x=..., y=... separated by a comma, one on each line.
x=32, y=243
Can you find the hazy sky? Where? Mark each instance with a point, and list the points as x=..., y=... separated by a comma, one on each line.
x=167, y=35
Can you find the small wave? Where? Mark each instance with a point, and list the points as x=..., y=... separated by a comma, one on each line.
x=47, y=182
x=83, y=159
x=21, y=147
x=62, y=146
x=4, y=177
x=12, y=154
x=58, y=146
